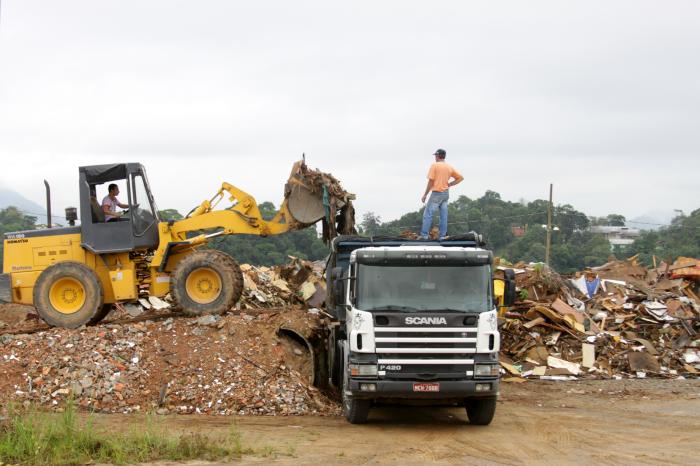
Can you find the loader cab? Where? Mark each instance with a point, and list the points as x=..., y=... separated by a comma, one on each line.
x=138, y=229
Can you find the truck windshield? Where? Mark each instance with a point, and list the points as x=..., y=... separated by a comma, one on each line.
x=409, y=289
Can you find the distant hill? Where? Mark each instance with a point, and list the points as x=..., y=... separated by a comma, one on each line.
x=12, y=198
x=652, y=220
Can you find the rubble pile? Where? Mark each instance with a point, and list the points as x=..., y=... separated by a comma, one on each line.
x=619, y=320
x=337, y=212
x=232, y=364
x=296, y=283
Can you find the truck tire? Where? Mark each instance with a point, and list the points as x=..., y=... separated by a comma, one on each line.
x=68, y=294
x=207, y=282
x=480, y=410
x=355, y=411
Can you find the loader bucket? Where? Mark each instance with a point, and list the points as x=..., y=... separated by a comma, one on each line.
x=304, y=192
x=312, y=196
x=305, y=205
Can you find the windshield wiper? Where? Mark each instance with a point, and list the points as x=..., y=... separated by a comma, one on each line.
x=393, y=308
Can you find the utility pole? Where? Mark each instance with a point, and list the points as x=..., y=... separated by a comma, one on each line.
x=548, y=245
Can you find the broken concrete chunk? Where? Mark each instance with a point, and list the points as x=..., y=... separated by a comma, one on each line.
x=570, y=367
x=144, y=302
x=133, y=309
x=158, y=303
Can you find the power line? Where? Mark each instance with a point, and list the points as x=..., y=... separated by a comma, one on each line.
x=34, y=214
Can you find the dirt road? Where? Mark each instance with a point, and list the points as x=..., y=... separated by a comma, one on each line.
x=601, y=422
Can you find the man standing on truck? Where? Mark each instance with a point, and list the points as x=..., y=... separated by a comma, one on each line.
x=439, y=183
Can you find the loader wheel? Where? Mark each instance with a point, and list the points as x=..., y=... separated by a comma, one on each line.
x=207, y=282
x=68, y=294
x=101, y=314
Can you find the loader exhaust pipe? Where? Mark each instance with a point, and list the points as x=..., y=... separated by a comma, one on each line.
x=48, y=204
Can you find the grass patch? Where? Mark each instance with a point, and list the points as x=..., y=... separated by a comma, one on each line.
x=37, y=438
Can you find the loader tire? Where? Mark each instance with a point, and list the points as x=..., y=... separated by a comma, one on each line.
x=101, y=314
x=68, y=294
x=207, y=282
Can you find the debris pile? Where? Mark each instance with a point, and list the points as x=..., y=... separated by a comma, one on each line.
x=619, y=320
x=233, y=364
x=313, y=195
x=146, y=357
x=299, y=282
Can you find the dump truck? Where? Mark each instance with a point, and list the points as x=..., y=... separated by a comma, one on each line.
x=73, y=275
x=415, y=322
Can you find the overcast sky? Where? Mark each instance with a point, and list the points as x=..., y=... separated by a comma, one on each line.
x=601, y=98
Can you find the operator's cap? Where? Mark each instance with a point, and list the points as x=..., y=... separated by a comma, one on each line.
x=440, y=153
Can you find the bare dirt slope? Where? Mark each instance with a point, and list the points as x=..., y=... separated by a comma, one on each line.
x=595, y=422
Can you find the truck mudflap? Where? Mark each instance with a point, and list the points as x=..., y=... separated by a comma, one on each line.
x=5, y=288
x=426, y=390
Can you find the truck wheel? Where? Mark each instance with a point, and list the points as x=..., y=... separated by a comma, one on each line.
x=207, y=282
x=68, y=294
x=355, y=411
x=481, y=410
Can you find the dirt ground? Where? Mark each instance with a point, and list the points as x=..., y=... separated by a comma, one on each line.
x=592, y=422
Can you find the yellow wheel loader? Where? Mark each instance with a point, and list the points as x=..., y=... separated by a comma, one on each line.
x=73, y=275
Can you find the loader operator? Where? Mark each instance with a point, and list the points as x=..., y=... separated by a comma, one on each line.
x=110, y=204
x=439, y=183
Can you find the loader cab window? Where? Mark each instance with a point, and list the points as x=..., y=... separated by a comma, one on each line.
x=142, y=207
x=114, y=204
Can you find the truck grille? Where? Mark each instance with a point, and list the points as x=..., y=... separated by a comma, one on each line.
x=443, y=352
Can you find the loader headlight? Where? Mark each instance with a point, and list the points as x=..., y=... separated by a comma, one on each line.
x=363, y=370
x=486, y=370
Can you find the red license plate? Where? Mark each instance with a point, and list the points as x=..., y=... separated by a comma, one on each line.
x=426, y=387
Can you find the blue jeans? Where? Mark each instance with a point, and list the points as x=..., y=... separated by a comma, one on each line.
x=435, y=201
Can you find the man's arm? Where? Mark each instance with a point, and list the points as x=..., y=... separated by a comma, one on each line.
x=105, y=209
x=457, y=179
x=123, y=206
x=428, y=188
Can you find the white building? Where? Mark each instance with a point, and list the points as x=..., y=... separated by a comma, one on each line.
x=617, y=236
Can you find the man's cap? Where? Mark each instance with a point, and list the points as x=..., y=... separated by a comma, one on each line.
x=440, y=153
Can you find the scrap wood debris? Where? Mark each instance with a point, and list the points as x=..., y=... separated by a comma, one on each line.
x=619, y=320
x=336, y=209
x=298, y=282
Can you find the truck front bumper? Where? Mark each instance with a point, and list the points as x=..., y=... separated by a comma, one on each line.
x=5, y=288
x=449, y=389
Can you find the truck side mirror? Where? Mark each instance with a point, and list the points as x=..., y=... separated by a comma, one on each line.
x=509, y=292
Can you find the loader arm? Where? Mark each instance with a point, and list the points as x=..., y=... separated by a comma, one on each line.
x=243, y=217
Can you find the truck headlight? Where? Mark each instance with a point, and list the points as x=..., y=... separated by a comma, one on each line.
x=486, y=370
x=363, y=370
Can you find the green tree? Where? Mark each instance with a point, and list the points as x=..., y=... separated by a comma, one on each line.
x=169, y=214
x=11, y=219
x=616, y=220
x=370, y=224
x=681, y=238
